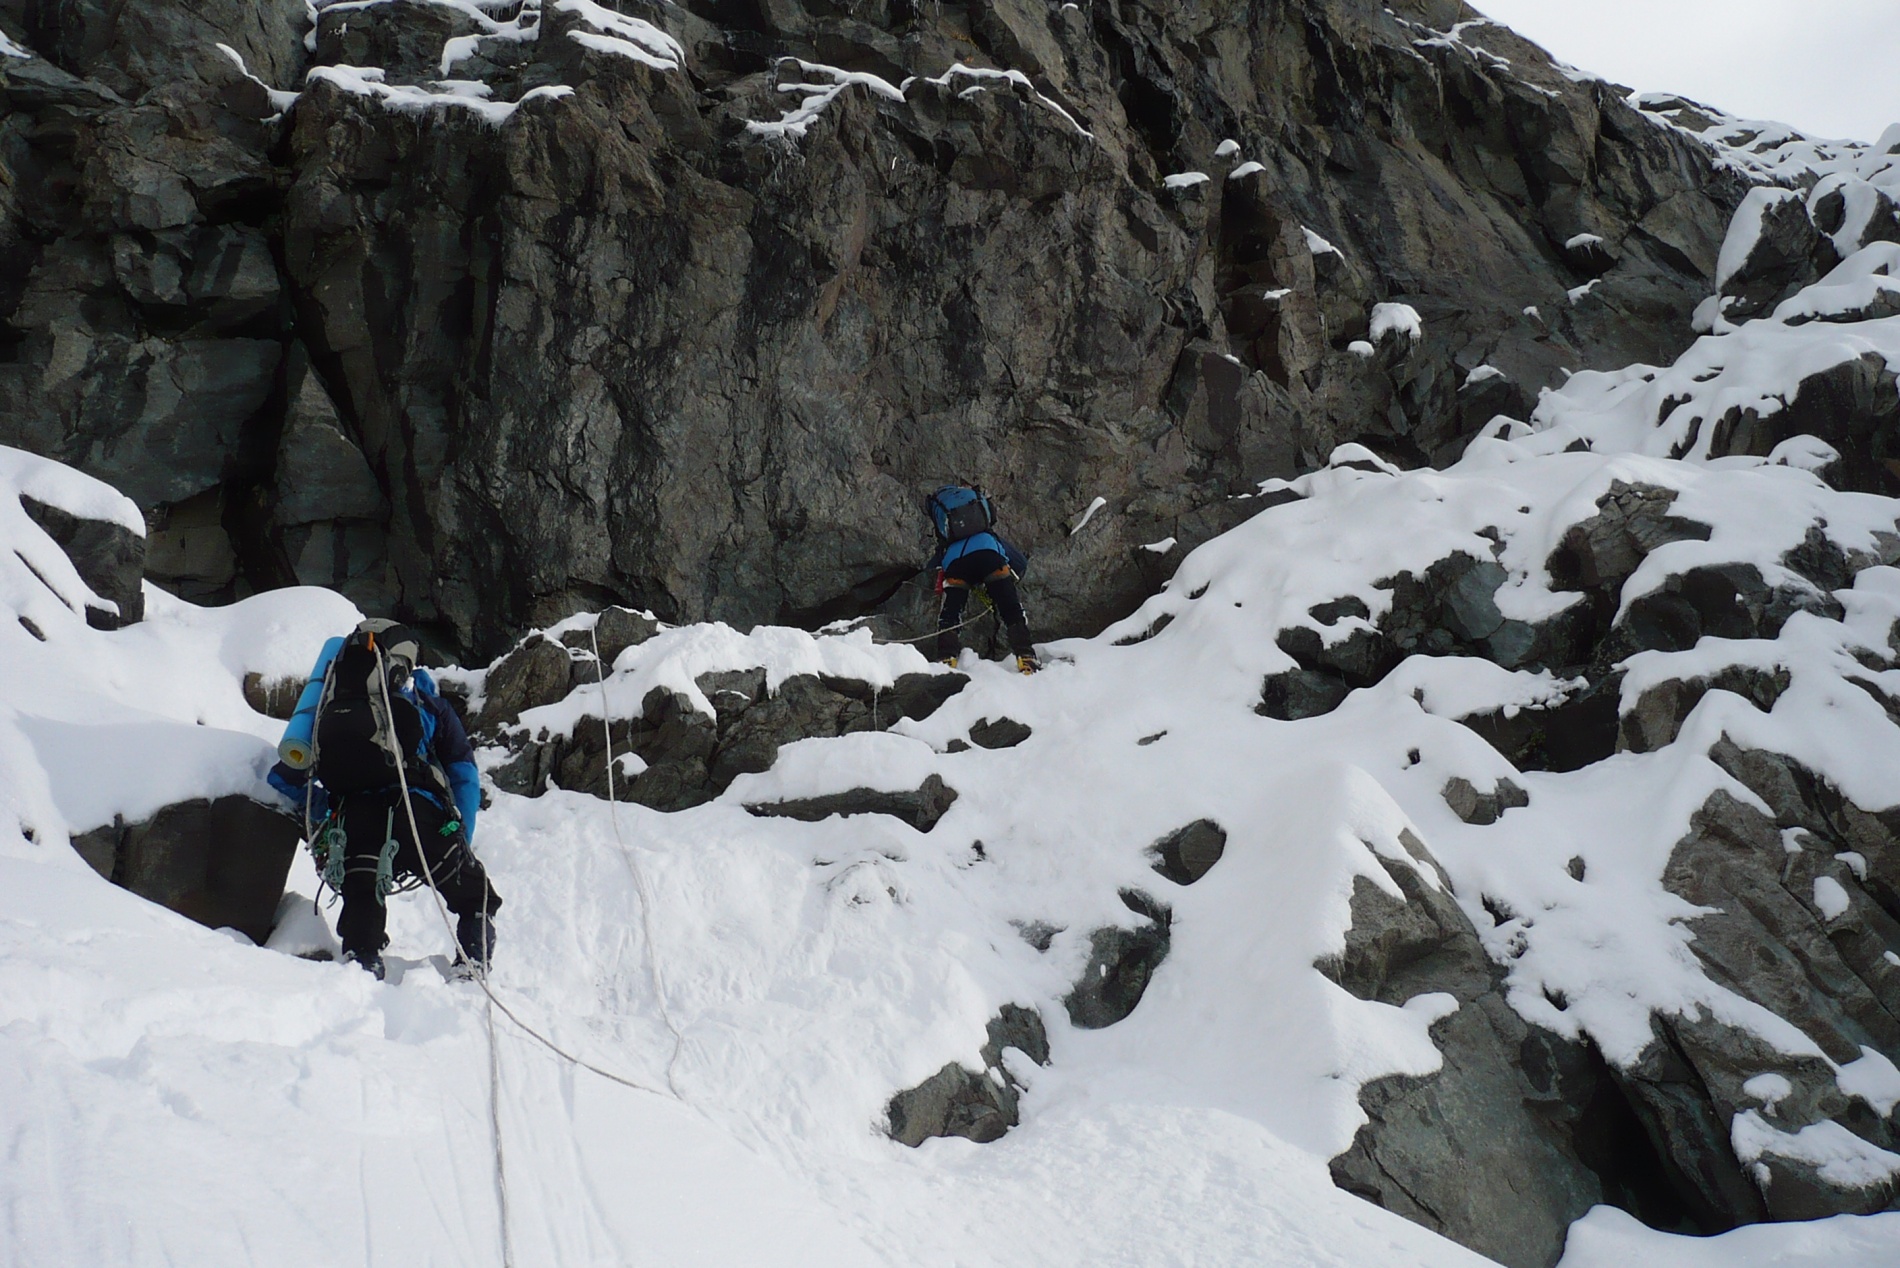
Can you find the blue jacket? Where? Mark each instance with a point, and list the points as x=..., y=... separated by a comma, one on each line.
x=956, y=550
x=444, y=740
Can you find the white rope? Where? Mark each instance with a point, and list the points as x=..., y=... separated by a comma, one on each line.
x=480, y=969
x=481, y=980
x=633, y=867
x=968, y=620
x=494, y=1131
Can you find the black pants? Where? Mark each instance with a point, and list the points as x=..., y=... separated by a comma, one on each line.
x=369, y=820
x=986, y=568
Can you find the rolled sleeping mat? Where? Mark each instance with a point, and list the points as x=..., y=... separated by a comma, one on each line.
x=296, y=749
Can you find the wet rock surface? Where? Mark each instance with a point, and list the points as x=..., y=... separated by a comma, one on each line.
x=222, y=863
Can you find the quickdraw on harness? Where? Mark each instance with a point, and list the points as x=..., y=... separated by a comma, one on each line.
x=329, y=851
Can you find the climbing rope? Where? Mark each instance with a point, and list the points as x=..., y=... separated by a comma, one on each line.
x=633, y=867
x=481, y=979
x=986, y=608
x=494, y=1127
x=968, y=620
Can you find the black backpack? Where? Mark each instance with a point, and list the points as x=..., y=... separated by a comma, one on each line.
x=958, y=511
x=353, y=731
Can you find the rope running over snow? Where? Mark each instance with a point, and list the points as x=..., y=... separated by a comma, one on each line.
x=481, y=980
x=633, y=867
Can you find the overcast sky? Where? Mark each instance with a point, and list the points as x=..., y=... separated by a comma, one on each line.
x=1829, y=67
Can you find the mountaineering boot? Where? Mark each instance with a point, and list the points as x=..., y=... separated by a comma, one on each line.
x=369, y=961
x=1027, y=664
x=475, y=931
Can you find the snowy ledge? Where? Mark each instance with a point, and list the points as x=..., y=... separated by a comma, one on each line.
x=470, y=95
x=795, y=122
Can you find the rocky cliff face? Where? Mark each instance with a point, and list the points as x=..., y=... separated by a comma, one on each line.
x=521, y=307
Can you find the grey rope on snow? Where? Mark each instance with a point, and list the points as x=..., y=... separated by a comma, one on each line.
x=481, y=971
x=640, y=888
x=481, y=979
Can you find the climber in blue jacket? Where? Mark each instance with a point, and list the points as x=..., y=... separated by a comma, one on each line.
x=970, y=553
x=340, y=766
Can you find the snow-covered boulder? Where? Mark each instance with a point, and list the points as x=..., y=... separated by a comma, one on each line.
x=69, y=528
x=1487, y=1150
x=692, y=708
x=1769, y=251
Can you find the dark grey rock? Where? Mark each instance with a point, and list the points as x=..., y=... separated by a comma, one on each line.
x=921, y=809
x=534, y=674
x=1481, y=807
x=803, y=707
x=463, y=334
x=1121, y=961
x=109, y=558
x=188, y=549
x=1333, y=611
x=1039, y=934
x=1853, y=406
x=1589, y=255
x=1186, y=854
x=1718, y=600
x=322, y=473
x=1780, y=262
x=1658, y=715
x=690, y=757
x=913, y=696
x=272, y=697
x=1762, y=935
x=1360, y=659
x=1602, y=552
x=133, y=48
x=615, y=630
x=976, y=1105
x=1488, y=1151
x=816, y=258
x=1000, y=733
x=222, y=862
x=1566, y=736
x=1829, y=214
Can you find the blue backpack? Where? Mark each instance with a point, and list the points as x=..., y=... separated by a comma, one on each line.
x=958, y=511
